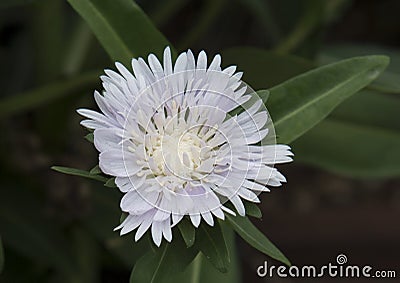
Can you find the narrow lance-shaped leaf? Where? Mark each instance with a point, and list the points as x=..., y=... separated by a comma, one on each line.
x=168, y=262
x=201, y=270
x=188, y=232
x=110, y=183
x=78, y=172
x=355, y=142
x=122, y=28
x=95, y=170
x=252, y=209
x=211, y=243
x=301, y=102
x=253, y=236
x=388, y=81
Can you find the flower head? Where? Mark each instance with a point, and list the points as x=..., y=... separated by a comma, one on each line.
x=168, y=134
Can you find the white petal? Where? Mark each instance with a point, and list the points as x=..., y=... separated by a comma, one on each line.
x=237, y=202
x=133, y=223
x=195, y=218
x=208, y=218
x=167, y=230
x=156, y=66
x=95, y=116
x=107, y=139
x=180, y=64
x=118, y=163
x=147, y=221
x=202, y=61
x=176, y=218
x=167, y=61
x=156, y=232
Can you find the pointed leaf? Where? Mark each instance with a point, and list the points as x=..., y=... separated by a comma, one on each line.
x=252, y=209
x=95, y=170
x=253, y=236
x=354, y=142
x=122, y=28
x=211, y=243
x=78, y=172
x=169, y=260
x=301, y=102
x=201, y=270
x=110, y=183
x=90, y=137
x=188, y=232
x=388, y=81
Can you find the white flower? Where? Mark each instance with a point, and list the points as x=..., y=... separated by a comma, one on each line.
x=165, y=133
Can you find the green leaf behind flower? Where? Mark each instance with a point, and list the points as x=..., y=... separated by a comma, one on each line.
x=80, y=173
x=211, y=243
x=388, y=81
x=122, y=28
x=188, y=232
x=252, y=209
x=300, y=103
x=202, y=270
x=253, y=236
x=163, y=265
x=361, y=138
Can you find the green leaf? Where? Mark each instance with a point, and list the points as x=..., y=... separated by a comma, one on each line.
x=29, y=100
x=355, y=142
x=252, y=209
x=169, y=260
x=121, y=27
x=201, y=270
x=1, y=256
x=388, y=81
x=90, y=137
x=110, y=183
x=78, y=172
x=253, y=236
x=262, y=68
x=301, y=102
x=263, y=94
x=188, y=232
x=211, y=243
x=95, y=170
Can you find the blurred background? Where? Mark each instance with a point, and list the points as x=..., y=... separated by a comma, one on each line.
x=342, y=194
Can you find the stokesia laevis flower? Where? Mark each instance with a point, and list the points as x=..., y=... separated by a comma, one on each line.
x=168, y=134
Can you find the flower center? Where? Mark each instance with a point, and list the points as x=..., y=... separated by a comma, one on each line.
x=181, y=155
